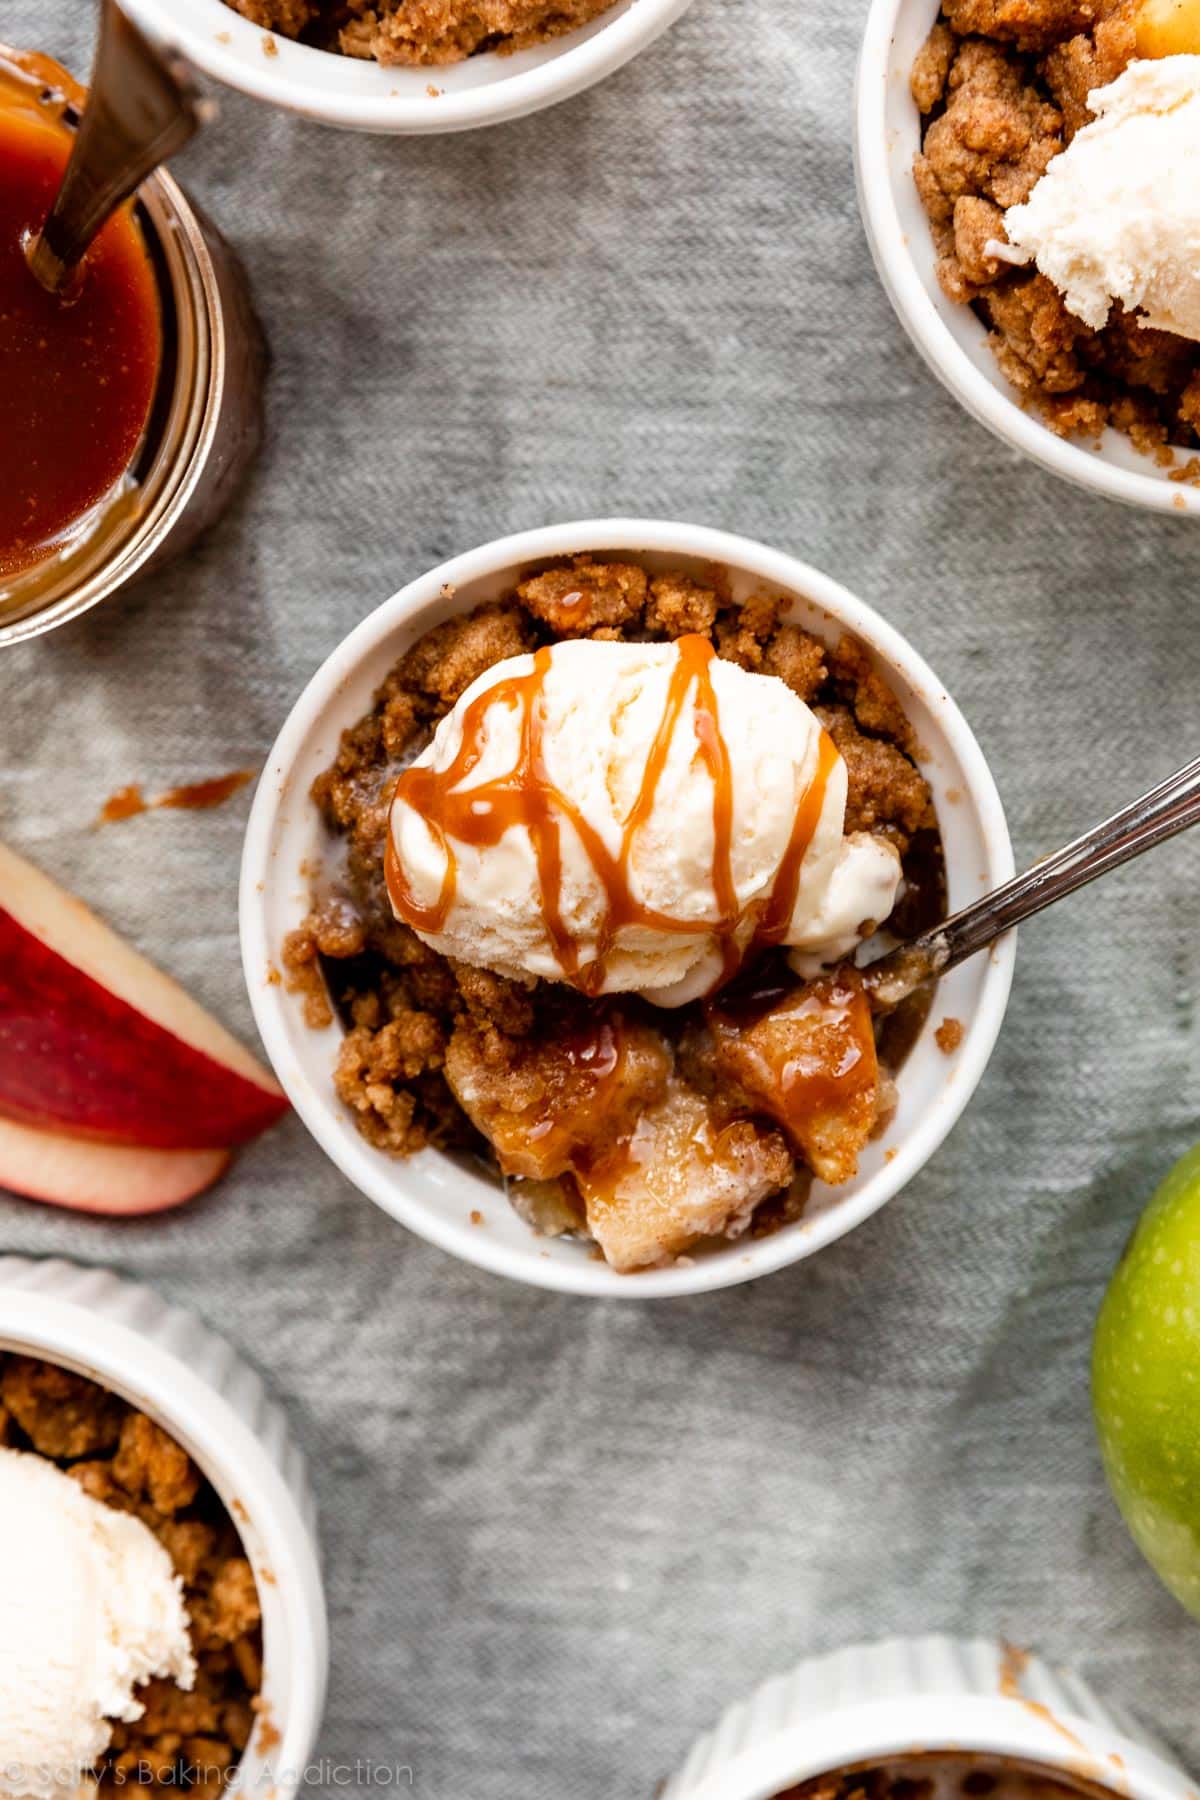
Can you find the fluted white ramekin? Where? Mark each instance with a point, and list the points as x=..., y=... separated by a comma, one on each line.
x=876, y=1701
x=951, y=338
x=453, y=1202
x=192, y=1383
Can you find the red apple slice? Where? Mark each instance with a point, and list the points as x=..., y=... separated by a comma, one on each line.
x=96, y=1042
x=102, y=1178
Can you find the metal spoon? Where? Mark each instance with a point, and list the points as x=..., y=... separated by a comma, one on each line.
x=1167, y=809
x=142, y=107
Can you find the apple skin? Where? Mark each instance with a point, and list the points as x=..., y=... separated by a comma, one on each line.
x=1146, y=1382
x=97, y=1042
x=113, y=1179
x=76, y=1058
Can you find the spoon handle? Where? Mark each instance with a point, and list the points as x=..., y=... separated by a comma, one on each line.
x=141, y=109
x=1167, y=809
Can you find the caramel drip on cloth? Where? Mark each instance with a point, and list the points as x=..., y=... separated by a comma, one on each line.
x=196, y=796
x=525, y=796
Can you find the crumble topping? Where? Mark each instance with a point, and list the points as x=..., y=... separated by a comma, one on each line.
x=419, y=32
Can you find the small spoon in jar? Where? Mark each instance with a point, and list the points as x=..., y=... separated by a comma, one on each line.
x=142, y=107
x=1167, y=809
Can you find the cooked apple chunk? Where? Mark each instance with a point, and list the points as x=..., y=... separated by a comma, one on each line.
x=808, y=1060
x=545, y=1103
x=657, y=1165
x=679, y=1176
x=1167, y=27
x=551, y=1208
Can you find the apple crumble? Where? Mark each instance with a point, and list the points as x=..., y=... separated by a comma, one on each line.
x=186, y=1739
x=644, y=1128
x=1003, y=88
x=420, y=32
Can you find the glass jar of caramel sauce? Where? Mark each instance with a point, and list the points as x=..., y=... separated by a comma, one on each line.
x=131, y=405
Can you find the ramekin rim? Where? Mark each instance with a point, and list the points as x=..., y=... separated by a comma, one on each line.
x=578, y=65
x=884, y=1726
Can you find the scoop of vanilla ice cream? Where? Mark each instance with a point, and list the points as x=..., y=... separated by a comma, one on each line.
x=90, y=1607
x=1116, y=216
x=603, y=707
x=861, y=891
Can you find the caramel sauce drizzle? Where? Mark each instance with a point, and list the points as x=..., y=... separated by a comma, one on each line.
x=781, y=903
x=829, y=1075
x=526, y=796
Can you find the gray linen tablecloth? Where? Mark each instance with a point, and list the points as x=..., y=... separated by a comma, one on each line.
x=560, y=1535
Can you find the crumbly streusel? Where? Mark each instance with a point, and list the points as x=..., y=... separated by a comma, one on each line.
x=420, y=32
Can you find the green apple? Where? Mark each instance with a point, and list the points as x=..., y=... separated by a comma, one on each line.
x=1146, y=1381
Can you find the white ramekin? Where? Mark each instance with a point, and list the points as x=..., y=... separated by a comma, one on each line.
x=191, y=1382
x=929, y=1693
x=953, y=341
x=452, y=1202
x=342, y=90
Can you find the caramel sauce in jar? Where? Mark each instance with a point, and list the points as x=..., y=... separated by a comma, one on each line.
x=176, y=384
x=77, y=371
